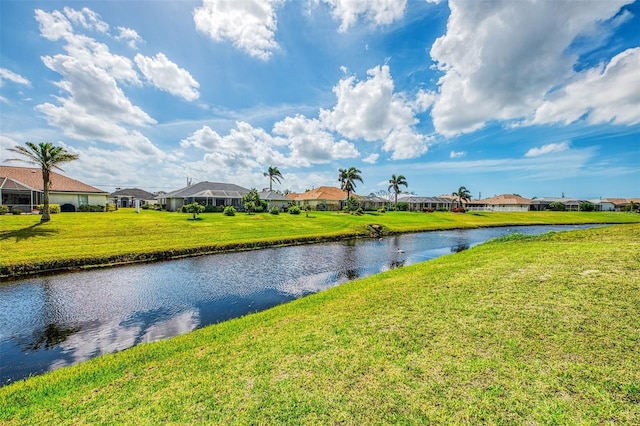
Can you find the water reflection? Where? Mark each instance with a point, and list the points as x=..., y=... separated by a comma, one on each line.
x=46, y=323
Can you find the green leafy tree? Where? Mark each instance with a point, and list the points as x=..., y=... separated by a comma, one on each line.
x=557, y=206
x=463, y=194
x=194, y=208
x=48, y=157
x=395, y=183
x=586, y=206
x=274, y=175
x=347, y=179
x=251, y=200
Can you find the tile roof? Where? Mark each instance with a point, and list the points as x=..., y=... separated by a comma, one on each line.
x=32, y=178
x=140, y=194
x=326, y=193
x=208, y=189
x=504, y=199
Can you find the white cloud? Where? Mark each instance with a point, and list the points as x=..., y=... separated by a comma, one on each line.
x=548, y=149
x=250, y=25
x=457, y=154
x=380, y=12
x=607, y=94
x=501, y=59
x=6, y=74
x=371, y=159
x=130, y=36
x=87, y=19
x=309, y=142
x=168, y=76
x=372, y=111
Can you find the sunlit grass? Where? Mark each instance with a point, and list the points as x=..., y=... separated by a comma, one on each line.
x=76, y=239
x=542, y=330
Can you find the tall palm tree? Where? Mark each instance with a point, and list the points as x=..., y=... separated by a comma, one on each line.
x=395, y=182
x=47, y=156
x=273, y=174
x=463, y=194
x=347, y=178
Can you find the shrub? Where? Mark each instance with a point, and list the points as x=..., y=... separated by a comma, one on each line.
x=145, y=206
x=111, y=207
x=211, y=209
x=557, y=206
x=294, y=210
x=274, y=210
x=4, y=209
x=90, y=208
x=53, y=208
x=586, y=206
x=229, y=211
x=358, y=212
x=16, y=211
x=402, y=206
x=425, y=210
x=382, y=210
x=458, y=210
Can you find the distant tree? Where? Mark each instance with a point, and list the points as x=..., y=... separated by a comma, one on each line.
x=274, y=174
x=47, y=156
x=194, y=208
x=463, y=194
x=347, y=178
x=557, y=206
x=395, y=183
x=586, y=206
x=251, y=200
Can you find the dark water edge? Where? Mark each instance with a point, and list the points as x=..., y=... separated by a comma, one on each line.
x=48, y=322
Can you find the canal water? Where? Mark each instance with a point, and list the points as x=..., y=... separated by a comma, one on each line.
x=55, y=321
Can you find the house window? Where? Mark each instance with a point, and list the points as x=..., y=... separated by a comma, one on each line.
x=83, y=200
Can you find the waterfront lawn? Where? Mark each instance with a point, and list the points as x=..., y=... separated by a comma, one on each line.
x=77, y=239
x=528, y=330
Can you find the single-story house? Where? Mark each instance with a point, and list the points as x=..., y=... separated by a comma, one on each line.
x=205, y=193
x=128, y=196
x=321, y=198
x=603, y=205
x=543, y=203
x=620, y=203
x=21, y=188
x=500, y=203
x=417, y=203
x=274, y=199
x=371, y=201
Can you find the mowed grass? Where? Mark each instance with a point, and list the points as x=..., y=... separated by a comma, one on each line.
x=79, y=239
x=535, y=330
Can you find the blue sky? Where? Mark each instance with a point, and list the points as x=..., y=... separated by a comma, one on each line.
x=538, y=98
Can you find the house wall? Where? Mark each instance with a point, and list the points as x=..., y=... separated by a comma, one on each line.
x=75, y=199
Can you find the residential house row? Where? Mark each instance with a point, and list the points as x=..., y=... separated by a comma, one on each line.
x=21, y=188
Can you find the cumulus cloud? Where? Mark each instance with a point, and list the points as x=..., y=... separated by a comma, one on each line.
x=371, y=159
x=129, y=36
x=87, y=19
x=250, y=25
x=168, y=76
x=619, y=80
x=371, y=110
x=379, y=12
x=500, y=59
x=11, y=76
x=457, y=154
x=548, y=149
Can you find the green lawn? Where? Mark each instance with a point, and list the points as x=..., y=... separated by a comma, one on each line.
x=78, y=239
x=530, y=330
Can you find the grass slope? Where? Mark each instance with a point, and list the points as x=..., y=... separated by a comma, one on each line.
x=518, y=331
x=80, y=239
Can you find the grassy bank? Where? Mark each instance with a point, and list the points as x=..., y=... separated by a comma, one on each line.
x=537, y=330
x=80, y=239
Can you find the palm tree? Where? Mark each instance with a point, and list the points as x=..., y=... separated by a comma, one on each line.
x=47, y=156
x=273, y=174
x=395, y=182
x=347, y=179
x=463, y=194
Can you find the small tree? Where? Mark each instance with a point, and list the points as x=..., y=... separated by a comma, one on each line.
x=395, y=183
x=463, y=194
x=195, y=209
x=251, y=200
x=586, y=206
x=557, y=206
